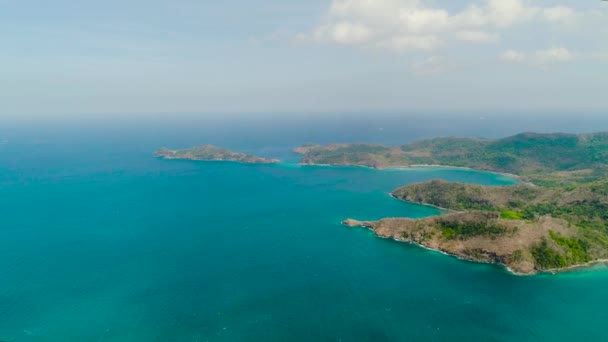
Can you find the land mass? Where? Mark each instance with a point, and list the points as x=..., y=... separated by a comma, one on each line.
x=557, y=222
x=212, y=153
x=545, y=159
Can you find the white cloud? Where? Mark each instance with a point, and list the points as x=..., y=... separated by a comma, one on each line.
x=513, y=56
x=557, y=54
x=558, y=13
x=434, y=65
x=421, y=20
x=403, y=25
x=405, y=43
x=475, y=36
x=344, y=33
x=539, y=57
x=506, y=13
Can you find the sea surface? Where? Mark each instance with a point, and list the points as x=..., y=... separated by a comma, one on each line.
x=100, y=241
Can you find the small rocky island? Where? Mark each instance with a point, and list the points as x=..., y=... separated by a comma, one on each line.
x=212, y=153
x=556, y=222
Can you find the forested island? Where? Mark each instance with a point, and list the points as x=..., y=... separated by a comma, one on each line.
x=557, y=221
x=212, y=153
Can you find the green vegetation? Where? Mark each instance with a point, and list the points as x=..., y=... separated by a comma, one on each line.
x=352, y=154
x=517, y=256
x=588, y=213
x=426, y=236
x=449, y=233
x=576, y=250
x=458, y=196
x=461, y=229
x=546, y=257
x=511, y=215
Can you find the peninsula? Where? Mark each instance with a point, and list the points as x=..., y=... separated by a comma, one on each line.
x=557, y=222
x=212, y=153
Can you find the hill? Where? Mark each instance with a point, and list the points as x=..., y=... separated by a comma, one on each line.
x=547, y=159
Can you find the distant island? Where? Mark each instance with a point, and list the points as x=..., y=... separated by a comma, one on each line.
x=556, y=222
x=212, y=153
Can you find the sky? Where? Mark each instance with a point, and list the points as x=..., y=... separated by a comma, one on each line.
x=293, y=56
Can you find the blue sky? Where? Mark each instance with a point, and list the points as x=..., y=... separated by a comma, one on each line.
x=85, y=57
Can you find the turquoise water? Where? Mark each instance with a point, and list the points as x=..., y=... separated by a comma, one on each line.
x=101, y=242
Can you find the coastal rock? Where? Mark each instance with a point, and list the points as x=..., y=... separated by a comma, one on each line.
x=355, y=223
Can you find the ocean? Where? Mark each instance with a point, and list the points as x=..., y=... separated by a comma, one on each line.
x=100, y=241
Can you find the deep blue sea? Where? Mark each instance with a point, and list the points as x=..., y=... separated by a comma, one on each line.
x=100, y=241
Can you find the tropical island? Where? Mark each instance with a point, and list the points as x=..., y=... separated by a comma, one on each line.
x=556, y=221
x=212, y=153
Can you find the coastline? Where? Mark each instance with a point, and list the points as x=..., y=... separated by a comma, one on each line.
x=576, y=267
x=269, y=162
x=459, y=257
x=515, y=177
x=392, y=194
x=371, y=228
x=510, y=175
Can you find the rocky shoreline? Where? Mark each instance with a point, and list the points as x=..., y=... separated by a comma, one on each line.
x=484, y=256
x=370, y=225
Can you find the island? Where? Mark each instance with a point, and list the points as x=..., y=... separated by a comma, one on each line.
x=556, y=220
x=212, y=153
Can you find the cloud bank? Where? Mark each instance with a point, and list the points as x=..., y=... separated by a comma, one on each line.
x=406, y=25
